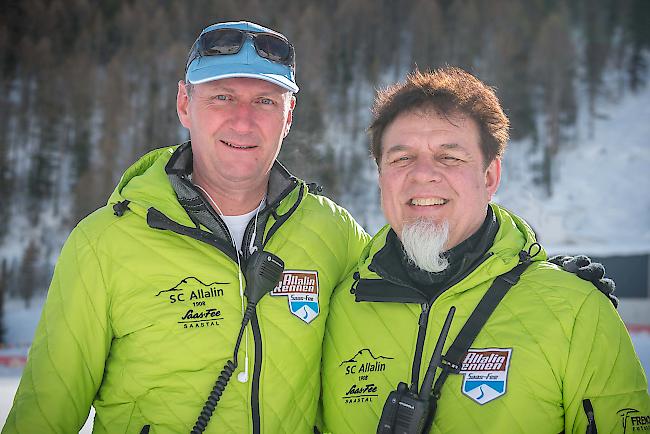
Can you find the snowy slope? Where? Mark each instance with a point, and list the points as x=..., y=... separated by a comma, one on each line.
x=601, y=204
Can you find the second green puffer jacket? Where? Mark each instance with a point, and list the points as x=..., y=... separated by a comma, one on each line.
x=553, y=354
x=145, y=307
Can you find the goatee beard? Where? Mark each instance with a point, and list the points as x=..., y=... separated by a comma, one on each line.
x=424, y=241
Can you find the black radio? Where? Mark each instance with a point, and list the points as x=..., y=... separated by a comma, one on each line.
x=407, y=412
x=404, y=412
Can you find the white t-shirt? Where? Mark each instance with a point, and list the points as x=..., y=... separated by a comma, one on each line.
x=237, y=225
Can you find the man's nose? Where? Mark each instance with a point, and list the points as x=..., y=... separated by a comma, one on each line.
x=425, y=170
x=242, y=118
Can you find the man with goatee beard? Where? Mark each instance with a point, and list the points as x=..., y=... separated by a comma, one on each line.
x=454, y=321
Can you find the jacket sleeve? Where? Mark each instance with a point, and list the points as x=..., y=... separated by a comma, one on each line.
x=357, y=241
x=66, y=360
x=603, y=374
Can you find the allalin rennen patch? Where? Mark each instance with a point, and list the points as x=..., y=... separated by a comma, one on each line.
x=301, y=289
x=485, y=373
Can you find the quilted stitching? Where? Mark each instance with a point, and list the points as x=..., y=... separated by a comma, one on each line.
x=330, y=267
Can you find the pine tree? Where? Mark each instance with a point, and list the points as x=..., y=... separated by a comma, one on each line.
x=555, y=85
x=28, y=275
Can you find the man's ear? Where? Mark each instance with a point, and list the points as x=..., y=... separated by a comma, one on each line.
x=493, y=177
x=292, y=105
x=182, y=104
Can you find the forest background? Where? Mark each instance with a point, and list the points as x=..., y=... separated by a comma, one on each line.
x=86, y=87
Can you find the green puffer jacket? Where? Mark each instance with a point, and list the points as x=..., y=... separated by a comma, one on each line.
x=553, y=342
x=139, y=321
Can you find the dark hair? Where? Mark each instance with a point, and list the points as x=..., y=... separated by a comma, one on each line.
x=448, y=91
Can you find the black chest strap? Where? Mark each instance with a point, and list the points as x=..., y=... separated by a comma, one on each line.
x=452, y=360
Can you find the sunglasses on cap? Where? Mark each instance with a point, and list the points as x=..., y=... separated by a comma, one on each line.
x=230, y=41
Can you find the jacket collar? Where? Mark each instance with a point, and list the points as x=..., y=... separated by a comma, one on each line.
x=376, y=279
x=157, y=188
x=180, y=166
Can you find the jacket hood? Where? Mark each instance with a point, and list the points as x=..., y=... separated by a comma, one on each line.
x=145, y=184
x=513, y=236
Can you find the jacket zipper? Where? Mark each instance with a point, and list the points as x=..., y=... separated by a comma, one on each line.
x=257, y=367
x=255, y=326
x=247, y=239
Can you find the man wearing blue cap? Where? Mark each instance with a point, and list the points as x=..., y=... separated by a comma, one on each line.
x=164, y=295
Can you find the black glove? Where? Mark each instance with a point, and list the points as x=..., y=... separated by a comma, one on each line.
x=593, y=272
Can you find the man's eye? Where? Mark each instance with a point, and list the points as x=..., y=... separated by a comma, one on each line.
x=221, y=97
x=451, y=159
x=401, y=159
x=266, y=101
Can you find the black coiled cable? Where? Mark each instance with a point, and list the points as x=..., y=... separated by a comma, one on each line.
x=218, y=389
x=223, y=379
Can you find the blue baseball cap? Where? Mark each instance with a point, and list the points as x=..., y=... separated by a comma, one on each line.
x=246, y=63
